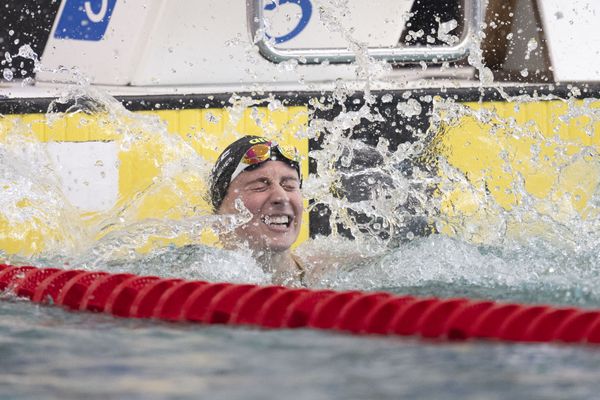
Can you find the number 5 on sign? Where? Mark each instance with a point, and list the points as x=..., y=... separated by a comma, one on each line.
x=84, y=20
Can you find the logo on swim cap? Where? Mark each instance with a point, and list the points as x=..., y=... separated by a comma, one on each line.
x=258, y=140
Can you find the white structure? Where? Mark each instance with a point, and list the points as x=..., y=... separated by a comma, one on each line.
x=208, y=42
x=571, y=29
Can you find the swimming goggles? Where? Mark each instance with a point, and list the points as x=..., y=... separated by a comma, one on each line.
x=265, y=151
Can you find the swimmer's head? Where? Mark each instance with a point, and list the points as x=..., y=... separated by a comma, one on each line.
x=245, y=154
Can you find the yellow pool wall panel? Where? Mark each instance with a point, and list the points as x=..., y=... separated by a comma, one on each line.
x=204, y=133
x=555, y=157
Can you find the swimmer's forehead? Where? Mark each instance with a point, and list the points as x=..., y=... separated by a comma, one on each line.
x=277, y=170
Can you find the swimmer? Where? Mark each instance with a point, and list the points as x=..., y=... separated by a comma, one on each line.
x=266, y=177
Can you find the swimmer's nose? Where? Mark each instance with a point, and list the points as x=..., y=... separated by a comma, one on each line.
x=279, y=195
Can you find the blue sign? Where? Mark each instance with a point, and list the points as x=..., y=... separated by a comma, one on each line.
x=305, y=7
x=84, y=19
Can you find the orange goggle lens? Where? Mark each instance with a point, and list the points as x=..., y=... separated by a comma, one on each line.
x=257, y=154
x=289, y=152
x=262, y=152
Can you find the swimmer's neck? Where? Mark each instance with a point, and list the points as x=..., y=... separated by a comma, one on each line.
x=274, y=262
x=269, y=260
x=281, y=265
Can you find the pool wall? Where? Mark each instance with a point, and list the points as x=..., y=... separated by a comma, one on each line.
x=542, y=113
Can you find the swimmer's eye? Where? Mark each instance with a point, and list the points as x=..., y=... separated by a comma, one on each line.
x=291, y=185
x=259, y=186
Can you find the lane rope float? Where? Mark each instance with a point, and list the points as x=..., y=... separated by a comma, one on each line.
x=374, y=313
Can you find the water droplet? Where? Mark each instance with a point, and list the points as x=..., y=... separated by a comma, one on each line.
x=409, y=109
x=29, y=81
x=7, y=74
x=211, y=118
x=444, y=28
x=531, y=45
x=275, y=105
x=288, y=66
x=27, y=52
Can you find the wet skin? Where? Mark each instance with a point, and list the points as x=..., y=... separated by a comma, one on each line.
x=272, y=194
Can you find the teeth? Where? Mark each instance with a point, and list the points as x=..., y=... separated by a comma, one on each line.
x=280, y=219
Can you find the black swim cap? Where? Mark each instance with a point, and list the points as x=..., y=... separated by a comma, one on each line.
x=229, y=160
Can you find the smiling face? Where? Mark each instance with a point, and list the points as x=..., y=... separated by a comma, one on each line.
x=272, y=194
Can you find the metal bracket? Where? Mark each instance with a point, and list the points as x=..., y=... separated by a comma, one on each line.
x=473, y=21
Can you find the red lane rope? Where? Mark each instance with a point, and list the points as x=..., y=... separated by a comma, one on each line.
x=131, y=296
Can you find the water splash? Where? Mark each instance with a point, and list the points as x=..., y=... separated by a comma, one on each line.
x=61, y=234
x=493, y=236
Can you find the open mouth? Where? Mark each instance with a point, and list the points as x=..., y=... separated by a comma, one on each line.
x=277, y=220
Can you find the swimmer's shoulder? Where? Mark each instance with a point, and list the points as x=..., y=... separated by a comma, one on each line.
x=301, y=270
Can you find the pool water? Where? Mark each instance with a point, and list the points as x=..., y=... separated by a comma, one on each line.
x=46, y=352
